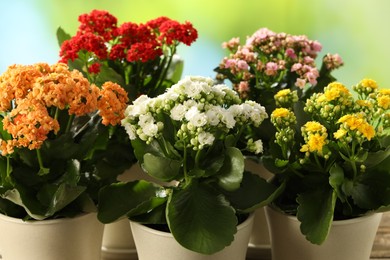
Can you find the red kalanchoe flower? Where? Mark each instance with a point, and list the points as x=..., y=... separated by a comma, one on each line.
x=99, y=22
x=156, y=23
x=94, y=68
x=143, y=52
x=88, y=42
x=136, y=56
x=172, y=31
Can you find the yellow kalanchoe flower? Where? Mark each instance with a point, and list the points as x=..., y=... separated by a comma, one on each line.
x=283, y=93
x=280, y=112
x=384, y=101
x=313, y=126
x=315, y=143
x=356, y=122
x=315, y=136
x=335, y=90
x=369, y=83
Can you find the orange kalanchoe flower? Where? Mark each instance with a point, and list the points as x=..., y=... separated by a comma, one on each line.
x=32, y=96
x=112, y=103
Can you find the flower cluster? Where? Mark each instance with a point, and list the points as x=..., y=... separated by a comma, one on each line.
x=200, y=111
x=269, y=62
x=49, y=123
x=137, y=56
x=193, y=135
x=32, y=94
x=339, y=144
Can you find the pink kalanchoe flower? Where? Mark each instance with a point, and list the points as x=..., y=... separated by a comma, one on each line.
x=230, y=63
x=274, y=61
x=242, y=65
x=300, y=83
x=243, y=87
x=271, y=68
x=312, y=76
x=232, y=44
x=291, y=53
x=296, y=67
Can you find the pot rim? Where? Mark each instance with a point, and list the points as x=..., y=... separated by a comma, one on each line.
x=169, y=234
x=44, y=221
x=334, y=222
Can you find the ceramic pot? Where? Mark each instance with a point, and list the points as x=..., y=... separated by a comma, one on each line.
x=350, y=239
x=118, y=242
x=152, y=244
x=61, y=239
x=259, y=242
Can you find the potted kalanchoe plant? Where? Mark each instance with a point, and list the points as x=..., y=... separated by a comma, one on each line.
x=269, y=62
x=192, y=135
x=46, y=140
x=141, y=58
x=334, y=160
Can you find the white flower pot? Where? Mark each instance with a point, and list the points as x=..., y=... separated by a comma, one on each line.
x=118, y=242
x=152, y=244
x=259, y=243
x=60, y=239
x=350, y=239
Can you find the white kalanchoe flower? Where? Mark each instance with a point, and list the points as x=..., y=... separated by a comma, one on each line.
x=256, y=147
x=178, y=112
x=205, y=139
x=228, y=119
x=140, y=106
x=200, y=112
x=213, y=115
x=195, y=117
x=130, y=130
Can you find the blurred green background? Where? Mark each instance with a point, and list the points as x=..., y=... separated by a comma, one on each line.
x=356, y=29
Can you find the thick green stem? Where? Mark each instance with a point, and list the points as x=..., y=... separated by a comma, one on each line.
x=165, y=70
x=69, y=124
x=186, y=177
x=39, y=157
x=8, y=170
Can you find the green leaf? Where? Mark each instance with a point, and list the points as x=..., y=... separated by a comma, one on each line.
x=232, y=169
x=201, y=219
x=336, y=180
x=154, y=216
x=120, y=199
x=108, y=74
x=11, y=209
x=63, y=196
x=22, y=198
x=175, y=71
x=72, y=173
x=62, y=36
x=254, y=192
x=315, y=212
x=161, y=168
x=281, y=163
x=374, y=159
x=371, y=191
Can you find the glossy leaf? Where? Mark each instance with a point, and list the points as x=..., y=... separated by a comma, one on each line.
x=62, y=36
x=201, y=219
x=315, y=212
x=232, y=169
x=161, y=168
x=120, y=199
x=254, y=192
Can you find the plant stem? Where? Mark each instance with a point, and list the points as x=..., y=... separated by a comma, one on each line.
x=8, y=177
x=39, y=157
x=69, y=124
x=165, y=70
